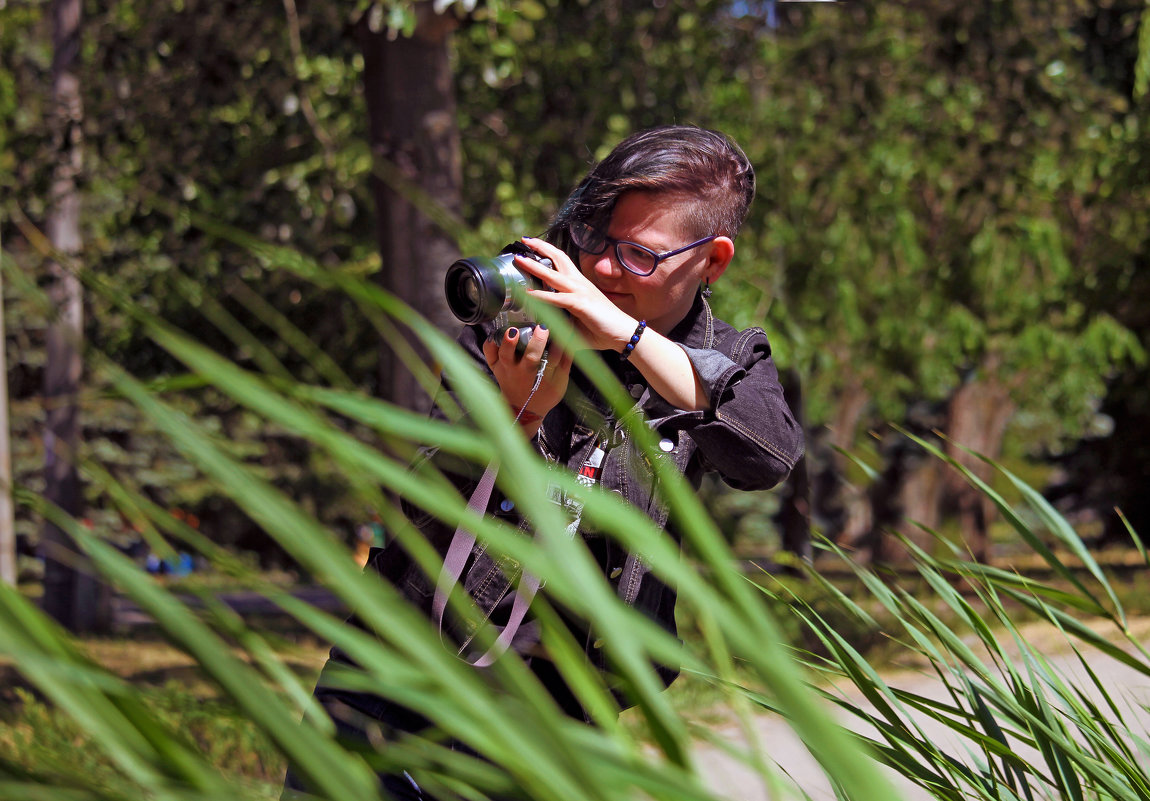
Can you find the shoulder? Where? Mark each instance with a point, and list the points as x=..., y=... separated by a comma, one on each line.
x=743, y=346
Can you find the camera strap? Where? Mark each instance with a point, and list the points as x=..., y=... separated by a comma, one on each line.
x=456, y=560
x=460, y=549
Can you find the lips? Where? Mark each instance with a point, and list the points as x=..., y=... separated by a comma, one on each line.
x=620, y=300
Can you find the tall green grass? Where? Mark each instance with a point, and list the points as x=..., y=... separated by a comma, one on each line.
x=1018, y=710
x=528, y=746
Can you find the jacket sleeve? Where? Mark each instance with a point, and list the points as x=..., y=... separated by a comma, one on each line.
x=749, y=436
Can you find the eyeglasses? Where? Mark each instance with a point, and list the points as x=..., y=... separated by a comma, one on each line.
x=633, y=256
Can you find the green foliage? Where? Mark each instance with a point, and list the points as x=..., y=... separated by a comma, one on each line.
x=528, y=90
x=1004, y=706
x=941, y=174
x=1010, y=721
x=943, y=188
x=947, y=193
x=45, y=741
x=212, y=107
x=944, y=192
x=503, y=713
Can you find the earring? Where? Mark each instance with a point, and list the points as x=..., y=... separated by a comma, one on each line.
x=707, y=288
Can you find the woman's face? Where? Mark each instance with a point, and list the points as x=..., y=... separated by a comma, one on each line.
x=664, y=297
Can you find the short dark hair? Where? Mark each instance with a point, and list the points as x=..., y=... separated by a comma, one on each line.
x=705, y=167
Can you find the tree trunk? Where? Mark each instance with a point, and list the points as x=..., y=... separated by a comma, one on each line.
x=976, y=419
x=844, y=508
x=794, y=515
x=918, y=508
x=906, y=494
x=415, y=147
x=72, y=595
x=906, y=498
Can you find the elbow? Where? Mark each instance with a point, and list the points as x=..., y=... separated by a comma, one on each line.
x=766, y=467
x=748, y=459
x=769, y=473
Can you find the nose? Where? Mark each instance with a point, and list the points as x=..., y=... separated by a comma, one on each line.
x=606, y=265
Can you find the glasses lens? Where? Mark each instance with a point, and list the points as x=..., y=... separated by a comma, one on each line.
x=587, y=239
x=635, y=258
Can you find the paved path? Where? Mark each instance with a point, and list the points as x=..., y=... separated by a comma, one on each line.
x=734, y=780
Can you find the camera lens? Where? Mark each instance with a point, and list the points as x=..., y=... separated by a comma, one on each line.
x=480, y=289
x=476, y=291
x=470, y=292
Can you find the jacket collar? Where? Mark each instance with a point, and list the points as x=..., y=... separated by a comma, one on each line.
x=697, y=329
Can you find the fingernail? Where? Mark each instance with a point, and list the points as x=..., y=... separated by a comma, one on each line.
x=512, y=333
x=541, y=325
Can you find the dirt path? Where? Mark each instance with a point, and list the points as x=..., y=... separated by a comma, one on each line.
x=731, y=777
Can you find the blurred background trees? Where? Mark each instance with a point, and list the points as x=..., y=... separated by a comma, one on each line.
x=949, y=232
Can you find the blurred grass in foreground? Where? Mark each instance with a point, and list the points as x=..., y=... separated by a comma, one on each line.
x=141, y=743
x=528, y=744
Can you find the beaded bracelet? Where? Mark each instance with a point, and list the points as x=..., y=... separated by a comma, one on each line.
x=630, y=346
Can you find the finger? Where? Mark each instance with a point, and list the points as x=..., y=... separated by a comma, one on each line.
x=563, y=300
x=553, y=279
x=563, y=367
x=490, y=352
x=507, y=345
x=558, y=359
x=536, y=344
x=566, y=358
x=559, y=258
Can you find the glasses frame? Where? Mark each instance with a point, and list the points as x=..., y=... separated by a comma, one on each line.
x=607, y=240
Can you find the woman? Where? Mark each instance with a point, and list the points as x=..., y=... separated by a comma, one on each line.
x=635, y=250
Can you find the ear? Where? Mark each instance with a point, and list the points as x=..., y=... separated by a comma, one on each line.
x=720, y=255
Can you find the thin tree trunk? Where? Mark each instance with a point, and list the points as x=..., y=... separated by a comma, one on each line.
x=845, y=508
x=976, y=419
x=908, y=494
x=7, y=517
x=918, y=505
x=794, y=515
x=72, y=595
x=416, y=150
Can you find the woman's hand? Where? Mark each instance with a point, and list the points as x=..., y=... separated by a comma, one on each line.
x=516, y=373
x=599, y=321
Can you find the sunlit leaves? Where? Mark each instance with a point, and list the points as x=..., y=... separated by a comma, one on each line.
x=913, y=213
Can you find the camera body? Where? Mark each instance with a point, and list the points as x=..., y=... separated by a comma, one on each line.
x=480, y=290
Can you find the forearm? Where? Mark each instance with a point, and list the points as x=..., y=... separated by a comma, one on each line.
x=669, y=372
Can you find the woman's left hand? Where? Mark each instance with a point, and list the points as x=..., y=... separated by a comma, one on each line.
x=600, y=322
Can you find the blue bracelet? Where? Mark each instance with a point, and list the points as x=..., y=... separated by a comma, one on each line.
x=630, y=346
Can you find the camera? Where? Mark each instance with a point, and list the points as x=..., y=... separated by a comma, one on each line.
x=482, y=289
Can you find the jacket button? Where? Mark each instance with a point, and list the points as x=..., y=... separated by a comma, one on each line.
x=598, y=643
x=637, y=391
x=666, y=445
x=616, y=572
x=507, y=504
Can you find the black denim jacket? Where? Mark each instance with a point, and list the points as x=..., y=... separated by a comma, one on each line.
x=748, y=437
